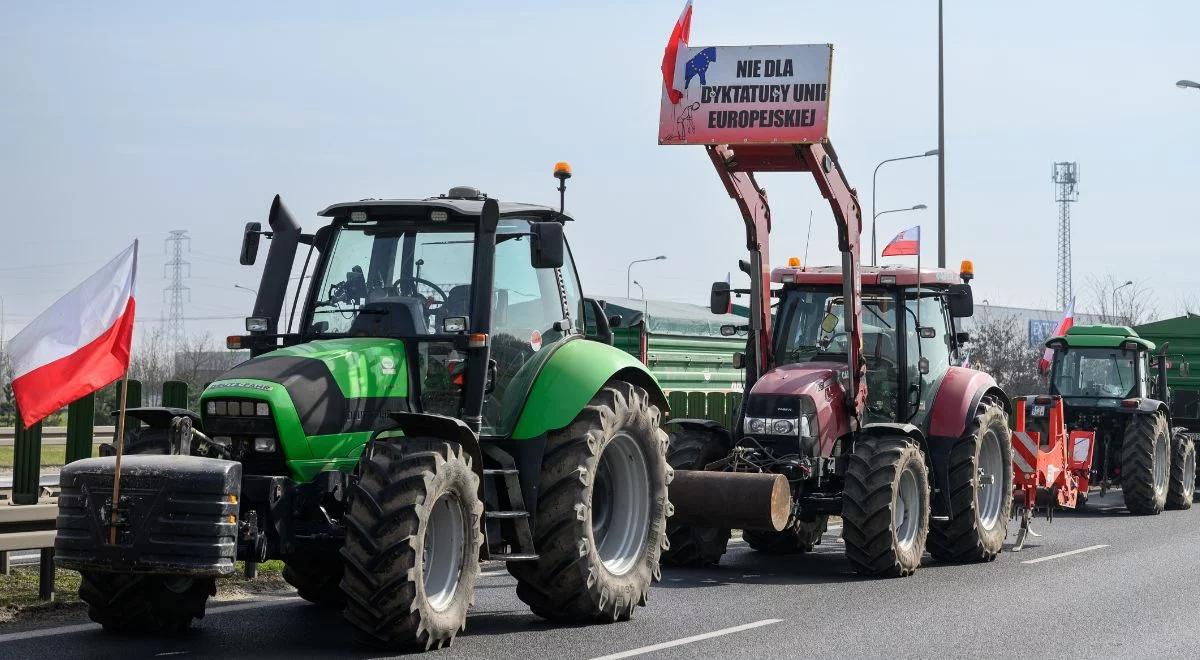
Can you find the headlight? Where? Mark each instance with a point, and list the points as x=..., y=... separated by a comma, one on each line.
x=247, y=408
x=757, y=425
x=783, y=426
x=211, y=407
x=805, y=429
x=262, y=409
x=264, y=445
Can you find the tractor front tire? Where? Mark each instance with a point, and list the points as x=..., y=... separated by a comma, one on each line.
x=316, y=578
x=1183, y=472
x=798, y=537
x=412, y=544
x=885, y=507
x=602, y=512
x=980, y=490
x=129, y=603
x=692, y=449
x=1146, y=464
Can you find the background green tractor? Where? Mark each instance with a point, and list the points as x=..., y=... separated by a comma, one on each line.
x=438, y=405
x=1104, y=375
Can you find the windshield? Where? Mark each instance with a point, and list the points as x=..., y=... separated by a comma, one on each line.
x=404, y=280
x=1094, y=372
x=806, y=335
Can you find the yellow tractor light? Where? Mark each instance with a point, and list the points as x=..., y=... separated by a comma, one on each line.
x=793, y=262
x=562, y=170
x=966, y=270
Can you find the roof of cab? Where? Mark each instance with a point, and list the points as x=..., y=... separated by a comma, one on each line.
x=1102, y=336
x=905, y=275
x=460, y=206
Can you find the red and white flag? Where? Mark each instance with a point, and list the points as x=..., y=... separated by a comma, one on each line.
x=77, y=346
x=1064, y=324
x=906, y=243
x=675, y=43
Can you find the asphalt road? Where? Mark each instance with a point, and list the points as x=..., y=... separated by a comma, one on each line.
x=1098, y=583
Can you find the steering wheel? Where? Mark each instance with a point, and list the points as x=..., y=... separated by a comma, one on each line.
x=420, y=280
x=834, y=337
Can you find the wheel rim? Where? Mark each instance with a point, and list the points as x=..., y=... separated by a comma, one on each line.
x=442, y=560
x=621, y=504
x=1189, y=474
x=1160, y=465
x=907, y=514
x=990, y=493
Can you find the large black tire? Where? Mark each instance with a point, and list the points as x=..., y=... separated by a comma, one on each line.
x=980, y=490
x=130, y=603
x=885, y=507
x=316, y=578
x=413, y=517
x=798, y=537
x=692, y=449
x=599, y=534
x=1183, y=472
x=1146, y=464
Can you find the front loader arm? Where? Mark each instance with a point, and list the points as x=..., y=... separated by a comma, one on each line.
x=736, y=166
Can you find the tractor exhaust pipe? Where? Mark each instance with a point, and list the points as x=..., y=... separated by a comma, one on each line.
x=735, y=500
x=272, y=289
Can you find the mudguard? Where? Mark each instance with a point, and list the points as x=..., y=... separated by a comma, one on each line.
x=570, y=377
x=954, y=406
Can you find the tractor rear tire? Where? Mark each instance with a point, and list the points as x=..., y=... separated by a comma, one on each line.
x=602, y=512
x=316, y=578
x=1146, y=464
x=136, y=604
x=1183, y=472
x=692, y=449
x=412, y=544
x=798, y=537
x=885, y=507
x=980, y=490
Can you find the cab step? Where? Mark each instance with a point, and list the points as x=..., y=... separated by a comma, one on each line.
x=515, y=557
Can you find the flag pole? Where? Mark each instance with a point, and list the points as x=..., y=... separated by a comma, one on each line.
x=120, y=445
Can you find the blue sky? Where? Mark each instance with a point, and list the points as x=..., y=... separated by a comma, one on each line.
x=132, y=120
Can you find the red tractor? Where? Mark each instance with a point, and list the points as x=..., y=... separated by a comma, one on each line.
x=855, y=404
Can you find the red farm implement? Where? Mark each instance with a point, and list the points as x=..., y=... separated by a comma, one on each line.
x=1051, y=466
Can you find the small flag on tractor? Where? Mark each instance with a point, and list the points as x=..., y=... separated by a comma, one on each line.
x=78, y=345
x=906, y=244
x=1064, y=324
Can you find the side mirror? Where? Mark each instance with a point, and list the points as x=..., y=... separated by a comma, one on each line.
x=250, y=238
x=1185, y=369
x=961, y=338
x=927, y=332
x=546, y=249
x=729, y=330
x=719, y=301
x=923, y=366
x=614, y=321
x=739, y=360
x=961, y=301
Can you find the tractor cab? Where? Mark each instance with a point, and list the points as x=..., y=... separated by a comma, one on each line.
x=1099, y=365
x=910, y=335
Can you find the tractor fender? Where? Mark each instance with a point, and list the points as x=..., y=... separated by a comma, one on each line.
x=954, y=406
x=705, y=425
x=441, y=427
x=958, y=397
x=569, y=378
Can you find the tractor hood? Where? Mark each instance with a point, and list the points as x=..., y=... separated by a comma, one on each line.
x=334, y=385
x=803, y=378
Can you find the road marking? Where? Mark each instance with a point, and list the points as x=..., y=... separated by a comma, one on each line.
x=687, y=640
x=67, y=630
x=1065, y=554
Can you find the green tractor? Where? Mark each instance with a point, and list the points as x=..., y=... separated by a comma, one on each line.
x=1103, y=374
x=439, y=405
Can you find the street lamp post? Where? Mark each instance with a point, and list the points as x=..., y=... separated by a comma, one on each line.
x=1184, y=84
x=874, y=254
x=1114, y=307
x=941, y=149
x=629, y=271
x=931, y=152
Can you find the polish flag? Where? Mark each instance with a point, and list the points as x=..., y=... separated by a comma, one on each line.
x=906, y=243
x=1065, y=324
x=676, y=42
x=77, y=346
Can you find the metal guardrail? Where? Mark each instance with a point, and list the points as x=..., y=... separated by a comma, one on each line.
x=53, y=435
x=31, y=527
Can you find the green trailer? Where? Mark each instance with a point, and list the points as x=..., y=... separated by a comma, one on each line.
x=1180, y=339
x=683, y=346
